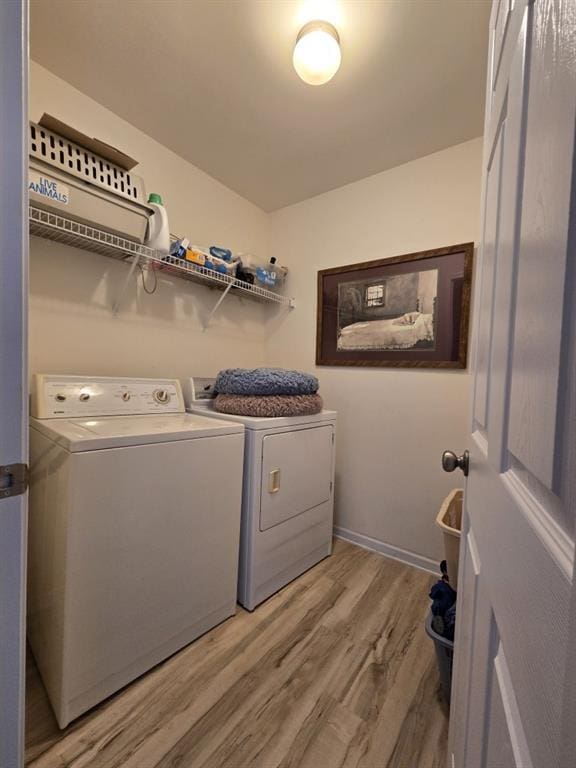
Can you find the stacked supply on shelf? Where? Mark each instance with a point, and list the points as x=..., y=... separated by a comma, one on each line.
x=212, y=258
x=266, y=392
x=271, y=275
x=242, y=266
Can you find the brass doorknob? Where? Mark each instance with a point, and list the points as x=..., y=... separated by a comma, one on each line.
x=450, y=462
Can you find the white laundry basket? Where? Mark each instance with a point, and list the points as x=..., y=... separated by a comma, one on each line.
x=449, y=520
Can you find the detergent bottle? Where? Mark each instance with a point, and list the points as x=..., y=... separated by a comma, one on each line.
x=158, y=229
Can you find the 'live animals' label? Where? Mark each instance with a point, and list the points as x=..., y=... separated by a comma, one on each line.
x=49, y=188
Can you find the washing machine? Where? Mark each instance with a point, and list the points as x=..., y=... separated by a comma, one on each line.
x=287, y=497
x=133, y=534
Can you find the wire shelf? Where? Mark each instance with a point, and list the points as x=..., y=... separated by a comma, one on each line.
x=190, y=271
x=63, y=230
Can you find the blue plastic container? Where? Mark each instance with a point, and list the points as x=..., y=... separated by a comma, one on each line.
x=444, y=656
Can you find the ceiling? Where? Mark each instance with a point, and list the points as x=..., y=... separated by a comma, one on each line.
x=213, y=80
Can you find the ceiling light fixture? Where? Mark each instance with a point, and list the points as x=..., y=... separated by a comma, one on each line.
x=317, y=53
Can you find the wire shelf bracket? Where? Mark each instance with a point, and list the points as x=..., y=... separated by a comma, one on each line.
x=118, y=300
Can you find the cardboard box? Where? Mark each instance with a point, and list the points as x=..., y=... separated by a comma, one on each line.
x=96, y=146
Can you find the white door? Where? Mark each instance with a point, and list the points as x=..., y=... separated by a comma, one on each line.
x=511, y=694
x=13, y=376
x=296, y=473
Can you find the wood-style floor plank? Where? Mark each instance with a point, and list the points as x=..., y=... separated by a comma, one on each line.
x=335, y=671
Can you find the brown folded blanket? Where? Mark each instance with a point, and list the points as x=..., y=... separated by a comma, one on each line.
x=268, y=405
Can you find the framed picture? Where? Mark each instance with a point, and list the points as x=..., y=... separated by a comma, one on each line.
x=407, y=311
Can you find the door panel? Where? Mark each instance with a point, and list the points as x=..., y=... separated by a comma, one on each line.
x=487, y=285
x=296, y=473
x=542, y=269
x=513, y=635
x=502, y=18
x=481, y=657
x=511, y=135
x=505, y=739
x=469, y=572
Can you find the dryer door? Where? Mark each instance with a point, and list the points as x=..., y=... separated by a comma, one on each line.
x=296, y=473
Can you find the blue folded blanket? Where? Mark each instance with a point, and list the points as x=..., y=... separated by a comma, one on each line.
x=265, y=381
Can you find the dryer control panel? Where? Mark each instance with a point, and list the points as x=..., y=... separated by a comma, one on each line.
x=56, y=396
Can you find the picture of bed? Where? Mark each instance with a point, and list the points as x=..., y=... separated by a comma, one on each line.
x=393, y=313
x=409, y=310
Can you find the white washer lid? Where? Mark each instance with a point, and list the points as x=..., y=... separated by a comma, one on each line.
x=122, y=431
x=264, y=422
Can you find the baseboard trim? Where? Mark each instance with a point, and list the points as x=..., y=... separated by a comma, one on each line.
x=389, y=550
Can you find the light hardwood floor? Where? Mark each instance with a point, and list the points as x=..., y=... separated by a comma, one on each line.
x=335, y=671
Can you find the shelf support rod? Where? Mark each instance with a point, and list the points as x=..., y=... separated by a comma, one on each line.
x=118, y=301
x=217, y=305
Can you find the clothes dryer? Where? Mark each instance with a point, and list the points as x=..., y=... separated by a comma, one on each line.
x=287, y=496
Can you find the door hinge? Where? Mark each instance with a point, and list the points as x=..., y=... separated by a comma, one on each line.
x=13, y=480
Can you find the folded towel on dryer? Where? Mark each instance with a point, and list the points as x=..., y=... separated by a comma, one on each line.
x=268, y=406
x=265, y=381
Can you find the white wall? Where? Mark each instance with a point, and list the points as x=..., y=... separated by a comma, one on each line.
x=72, y=329
x=393, y=424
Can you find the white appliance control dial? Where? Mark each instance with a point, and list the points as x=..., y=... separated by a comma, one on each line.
x=161, y=396
x=74, y=396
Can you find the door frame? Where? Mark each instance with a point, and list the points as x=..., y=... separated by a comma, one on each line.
x=13, y=370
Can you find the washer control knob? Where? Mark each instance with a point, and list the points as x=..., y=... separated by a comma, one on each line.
x=60, y=398
x=84, y=397
x=126, y=396
x=161, y=396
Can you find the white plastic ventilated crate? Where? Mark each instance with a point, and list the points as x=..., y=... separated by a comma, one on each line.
x=61, y=153
x=67, y=179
